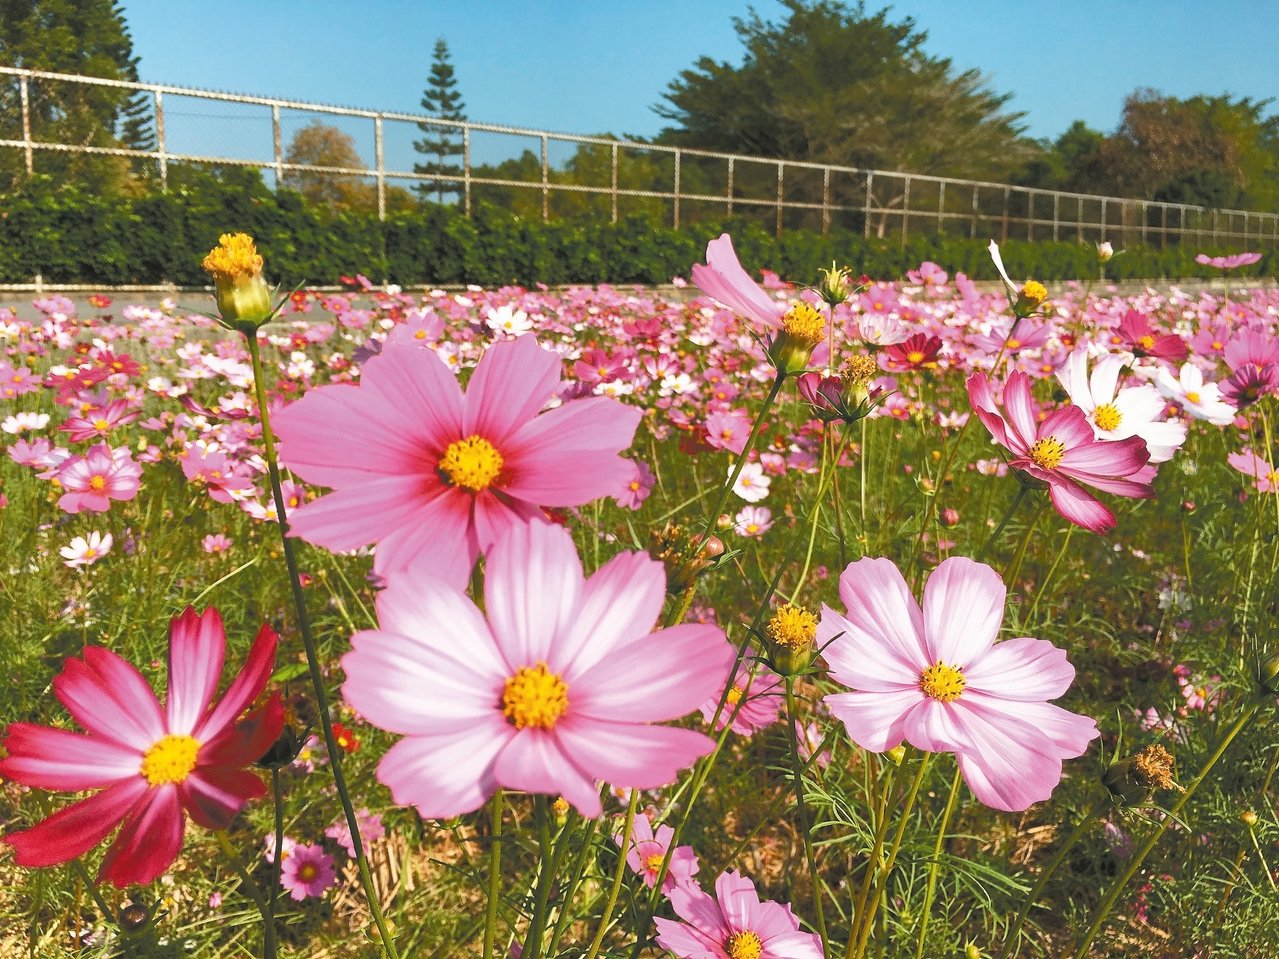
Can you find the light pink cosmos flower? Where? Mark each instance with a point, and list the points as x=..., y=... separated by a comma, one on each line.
x=152, y=764
x=937, y=679
x=645, y=851
x=560, y=687
x=753, y=521
x=307, y=871
x=722, y=278
x=1231, y=262
x=1201, y=400
x=98, y=422
x=434, y=476
x=753, y=701
x=752, y=485
x=1250, y=464
x=1117, y=412
x=102, y=474
x=86, y=550
x=1062, y=452
x=369, y=824
x=728, y=431
x=637, y=488
x=733, y=924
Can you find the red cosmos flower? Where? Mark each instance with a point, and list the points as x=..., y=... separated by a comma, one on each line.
x=1136, y=333
x=155, y=763
x=345, y=738
x=917, y=352
x=1062, y=452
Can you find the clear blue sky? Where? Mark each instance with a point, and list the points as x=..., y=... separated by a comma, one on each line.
x=595, y=67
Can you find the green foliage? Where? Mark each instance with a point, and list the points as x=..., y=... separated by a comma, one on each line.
x=440, y=99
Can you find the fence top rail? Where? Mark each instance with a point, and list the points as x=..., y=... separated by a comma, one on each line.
x=547, y=135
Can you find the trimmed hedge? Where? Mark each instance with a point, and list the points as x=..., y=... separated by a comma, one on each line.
x=69, y=236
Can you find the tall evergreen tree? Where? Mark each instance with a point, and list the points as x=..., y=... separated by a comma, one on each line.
x=441, y=100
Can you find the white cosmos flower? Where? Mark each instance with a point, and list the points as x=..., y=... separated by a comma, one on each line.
x=85, y=551
x=1117, y=413
x=1201, y=400
x=752, y=484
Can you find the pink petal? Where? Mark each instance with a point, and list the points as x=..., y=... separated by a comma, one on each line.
x=1010, y=764
x=418, y=393
x=569, y=456
x=149, y=841
x=248, y=740
x=723, y=279
x=982, y=398
x=620, y=602
x=366, y=512
x=875, y=721
x=1070, y=425
x=630, y=755
x=48, y=758
x=533, y=760
x=448, y=775
x=437, y=539
x=245, y=688
x=683, y=940
x=214, y=796
x=661, y=676
x=879, y=603
x=532, y=590
x=431, y=613
x=934, y=727
x=197, y=644
x=1020, y=406
x=73, y=831
x=963, y=609
x=857, y=660
x=737, y=898
x=511, y=383
x=494, y=514
x=1107, y=457
x=1029, y=670
x=1080, y=507
x=701, y=912
x=1069, y=732
x=109, y=698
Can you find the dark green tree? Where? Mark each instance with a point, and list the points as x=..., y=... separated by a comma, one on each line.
x=87, y=37
x=441, y=142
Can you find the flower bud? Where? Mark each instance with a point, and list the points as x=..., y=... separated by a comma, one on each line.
x=792, y=634
x=1105, y=251
x=686, y=557
x=836, y=285
x=803, y=327
x=1269, y=676
x=243, y=299
x=971, y=951
x=134, y=916
x=895, y=755
x=1249, y=818
x=949, y=516
x=1134, y=780
x=1030, y=299
x=825, y=394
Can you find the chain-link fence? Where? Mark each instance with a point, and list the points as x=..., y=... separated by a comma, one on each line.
x=385, y=160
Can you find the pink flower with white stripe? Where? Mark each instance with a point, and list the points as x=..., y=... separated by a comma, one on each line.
x=936, y=678
x=1062, y=452
x=102, y=474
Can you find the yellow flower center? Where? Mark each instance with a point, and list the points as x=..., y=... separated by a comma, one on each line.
x=734, y=696
x=90, y=553
x=1034, y=291
x=803, y=322
x=97, y=482
x=654, y=862
x=420, y=335
x=1147, y=342
x=914, y=356
x=100, y=424
x=858, y=371
x=234, y=257
x=1048, y=452
x=1218, y=345
x=941, y=682
x=792, y=627
x=473, y=463
x=534, y=696
x=170, y=760
x=744, y=945
x=1107, y=417
x=307, y=871
x=1192, y=397
x=1013, y=344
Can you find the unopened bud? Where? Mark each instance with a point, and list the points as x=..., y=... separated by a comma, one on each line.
x=685, y=557
x=243, y=299
x=1134, y=780
x=134, y=916
x=835, y=285
x=1105, y=251
x=949, y=516
x=803, y=327
x=1249, y=818
x=792, y=633
x=1269, y=675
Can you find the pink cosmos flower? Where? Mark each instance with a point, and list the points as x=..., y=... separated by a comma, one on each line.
x=1136, y=333
x=728, y=431
x=937, y=679
x=1062, y=452
x=560, y=687
x=645, y=851
x=98, y=422
x=307, y=871
x=1230, y=262
x=1250, y=464
x=86, y=550
x=155, y=763
x=757, y=700
x=733, y=924
x=102, y=474
x=753, y=521
x=434, y=476
x=216, y=543
x=637, y=488
x=722, y=278
x=369, y=824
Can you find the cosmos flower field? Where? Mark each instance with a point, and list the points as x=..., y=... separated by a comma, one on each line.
x=844, y=616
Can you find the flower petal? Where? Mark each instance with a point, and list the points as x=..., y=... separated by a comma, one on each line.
x=857, y=660
x=46, y=758
x=533, y=760
x=879, y=604
x=245, y=688
x=620, y=603
x=447, y=775
x=512, y=382
x=214, y=796
x=73, y=831
x=1025, y=669
x=875, y=721
x=1009, y=764
x=197, y=645
x=532, y=590
x=1079, y=506
x=963, y=609
x=108, y=697
x=149, y=840
x=628, y=754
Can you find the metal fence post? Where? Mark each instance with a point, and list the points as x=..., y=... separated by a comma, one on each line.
x=941, y=206
x=614, y=181
x=675, y=191
x=25, y=94
x=972, y=231
x=825, y=200
x=1030, y=216
x=1003, y=225
x=905, y=209
x=277, y=138
x=1056, y=216
x=870, y=177
x=160, y=142
x=730, y=185
x=381, y=167
x=466, y=170
x=781, y=174
x=546, y=179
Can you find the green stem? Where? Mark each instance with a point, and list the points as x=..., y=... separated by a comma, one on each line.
x=312, y=654
x=797, y=771
x=545, y=877
x=1117, y=887
x=951, y=802
x=495, y=875
x=607, y=916
x=101, y=903
x=1011, y=944
x=744, y=455
x=277, y=860
x=254, y=893
x=577, y=872
x=1043, y=587
x=1008, y=515
x=877, y=849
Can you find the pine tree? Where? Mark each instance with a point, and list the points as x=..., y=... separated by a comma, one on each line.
x=440, y=99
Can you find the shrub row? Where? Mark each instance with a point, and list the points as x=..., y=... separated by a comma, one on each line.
x=69, y=236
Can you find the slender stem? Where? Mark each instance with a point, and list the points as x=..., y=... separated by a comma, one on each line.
x=1008, y=515
x=1043, y=587
x=545, y=878
x=1013, y=569
x=1011, y=943
x=253, y=892
x=107, y=913
x=1117, y=887
x=607, y=916
x=312, y=655
x=495, y=874
x=745, y=453
x=951, y=802
x=881, y=886
x=805, y=827
x=877, y=848
x=578, y=873
x=277, y=860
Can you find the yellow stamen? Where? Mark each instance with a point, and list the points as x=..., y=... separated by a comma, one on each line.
x=804, y=323
x=234, y=257
x=170, y=760
x=1013, y=344
x=1192, y=397
x=1047, y=452
x=1034, y=291
x=534, y=696
x=793, y=627
x=307, y=871
x=654, y=862
x=914, y=356
x=1107, y=417
x=941, y=682
x=100, y=424
x=744, y=945
x=97, y=482
x=734, y=697
x=1147, y=342
x=473, y=463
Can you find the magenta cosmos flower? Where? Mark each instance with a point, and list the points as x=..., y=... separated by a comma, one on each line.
x=1062, y=452
x=434, y=476
x=557, y=690
x=733, y=925
x=154, y=762
x=646, y=851
x=937, y=679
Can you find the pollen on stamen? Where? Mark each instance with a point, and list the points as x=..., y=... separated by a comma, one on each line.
x=1047, y=452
